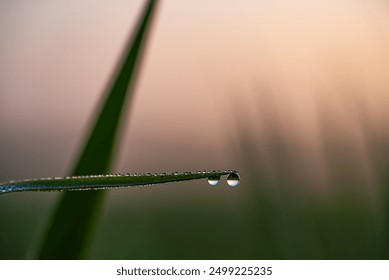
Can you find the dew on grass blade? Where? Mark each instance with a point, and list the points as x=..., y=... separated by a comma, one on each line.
x=213, y=180
x=114, y=181
x=233, y=179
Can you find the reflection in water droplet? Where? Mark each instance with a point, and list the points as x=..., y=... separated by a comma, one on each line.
x=214, y=180
x=233, y=179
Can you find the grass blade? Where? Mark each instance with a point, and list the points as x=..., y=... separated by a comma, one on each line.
x=68, y=234
x=112, y=181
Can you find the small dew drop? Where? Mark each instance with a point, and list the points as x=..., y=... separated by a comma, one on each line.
x=233, y=179
x=214, y=180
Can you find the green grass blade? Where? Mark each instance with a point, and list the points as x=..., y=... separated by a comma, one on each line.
x=112, y=181
x=97, y=154
x=73, y=221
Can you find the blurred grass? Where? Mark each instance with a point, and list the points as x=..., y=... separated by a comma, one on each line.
x=277, y=213
x=73, y=222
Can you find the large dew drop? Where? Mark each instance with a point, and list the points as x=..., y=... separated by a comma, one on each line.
x=214, y=180
x=233, y=179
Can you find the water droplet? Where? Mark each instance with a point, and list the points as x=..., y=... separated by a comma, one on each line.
x=233, y=179
x=213, y=180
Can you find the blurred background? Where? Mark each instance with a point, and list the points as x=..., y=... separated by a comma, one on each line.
x=292, y=93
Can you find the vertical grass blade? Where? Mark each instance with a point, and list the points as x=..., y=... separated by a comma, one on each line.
x=73, y=221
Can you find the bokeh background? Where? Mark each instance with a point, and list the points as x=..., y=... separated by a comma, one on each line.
x=292, y=93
